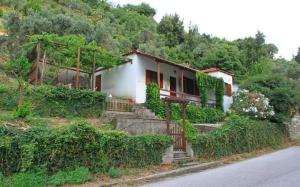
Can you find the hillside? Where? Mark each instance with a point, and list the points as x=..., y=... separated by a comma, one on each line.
x=119, y=29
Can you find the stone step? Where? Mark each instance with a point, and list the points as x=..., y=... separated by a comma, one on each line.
x=179, y=154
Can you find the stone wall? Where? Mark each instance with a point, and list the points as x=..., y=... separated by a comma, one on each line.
x=295, y=128
x=206, y=127
x=136, y=126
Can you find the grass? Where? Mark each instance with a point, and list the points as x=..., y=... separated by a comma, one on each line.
x=40, y=179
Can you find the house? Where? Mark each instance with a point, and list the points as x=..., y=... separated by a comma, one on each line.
x=129, y=79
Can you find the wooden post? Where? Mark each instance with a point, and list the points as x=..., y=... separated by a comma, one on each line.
x=93, y=73
x=38, y=56
x=168, y=115
x=43, y=67
x=181, y=81
x=77, y=67
x=183, y=125
x=158, y=73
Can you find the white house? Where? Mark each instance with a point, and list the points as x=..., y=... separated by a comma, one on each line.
x=129, y=79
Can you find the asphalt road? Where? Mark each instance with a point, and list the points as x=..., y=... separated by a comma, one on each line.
x=281, y=168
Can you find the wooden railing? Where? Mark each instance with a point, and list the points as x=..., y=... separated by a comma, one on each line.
x=195, y=99
x=119, y=104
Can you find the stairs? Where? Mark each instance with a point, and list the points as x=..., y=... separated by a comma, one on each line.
x=180, y=156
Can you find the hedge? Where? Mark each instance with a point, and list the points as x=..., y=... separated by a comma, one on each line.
x=55, y=101
x=238, y=135
x=75, y=146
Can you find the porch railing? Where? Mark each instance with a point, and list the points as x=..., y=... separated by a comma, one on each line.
x=119, y=104
x=194, y=99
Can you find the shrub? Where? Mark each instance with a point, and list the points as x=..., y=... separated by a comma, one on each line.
x=8, y=97
x=198, y=114
x=75, y=146
x=237, y=135
x=252, y=104
x=24, y=179
x=24, y=110
x=114, y=173
x=62, y=101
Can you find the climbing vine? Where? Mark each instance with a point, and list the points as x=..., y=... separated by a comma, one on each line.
x=206, y=83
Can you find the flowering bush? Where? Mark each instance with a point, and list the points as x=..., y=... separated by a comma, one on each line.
x=253, y=104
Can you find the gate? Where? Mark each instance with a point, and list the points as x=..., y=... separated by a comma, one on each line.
x=178, y=137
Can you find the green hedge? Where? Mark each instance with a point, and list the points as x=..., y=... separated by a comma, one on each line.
x=153, y=101
x=55, y=101
x=197, y=114
x=238, y=135
x=75, y=146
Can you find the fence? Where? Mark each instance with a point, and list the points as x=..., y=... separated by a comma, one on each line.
x=119, y=104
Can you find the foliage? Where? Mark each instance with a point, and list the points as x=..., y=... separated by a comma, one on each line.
x=39, y=178
x=194, y=113
x=114, y=173
x=153, y=101
x=19, y=68
x=206, y=83
x=77, y=176
x=24, y=110
x=253, y=104
x=297, y=57
x=75, y=146
x=198, y=114
x=172, y=29
x=62, y=101
x=190, y=131
x=8, y=97
x=238, y=135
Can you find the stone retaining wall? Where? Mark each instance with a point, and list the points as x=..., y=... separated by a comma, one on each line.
x=295, y=128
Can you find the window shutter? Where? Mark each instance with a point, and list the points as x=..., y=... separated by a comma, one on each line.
x=148, y=76
x=161, y=81
x=228, y=89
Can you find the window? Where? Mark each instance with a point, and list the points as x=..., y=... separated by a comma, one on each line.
x=228, y=89
x=189, y=86
x=151, y=77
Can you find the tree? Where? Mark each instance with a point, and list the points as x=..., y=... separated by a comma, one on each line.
x=297, y=57
x=143, y=9
x=172, y=28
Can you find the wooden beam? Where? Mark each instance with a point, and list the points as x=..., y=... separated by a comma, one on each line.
x=158, y=72
x=77, y=68
x=181, y=81
x=183, y=126
x=93, y=73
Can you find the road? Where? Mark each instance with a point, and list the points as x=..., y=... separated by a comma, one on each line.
x=281, y=168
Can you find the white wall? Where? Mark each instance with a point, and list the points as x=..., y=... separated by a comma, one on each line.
x=147, y=63
x=119, y=81
x=227, y=79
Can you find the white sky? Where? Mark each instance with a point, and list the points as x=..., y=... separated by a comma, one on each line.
x=279, y=20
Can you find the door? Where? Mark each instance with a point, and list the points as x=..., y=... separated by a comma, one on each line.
x=98, y=83
x=172, y=86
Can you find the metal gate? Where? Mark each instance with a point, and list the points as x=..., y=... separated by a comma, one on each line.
x=178, y=137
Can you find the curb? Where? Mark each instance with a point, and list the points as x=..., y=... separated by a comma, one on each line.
x=172, y=173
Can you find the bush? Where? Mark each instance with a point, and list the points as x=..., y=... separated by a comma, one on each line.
x=114, y=173
x=75, y=146
x=197, y=114
x=62, y=101
x=252, y=104
x=24, y=110
x=8, y=97
x=38, y=179
x=237, y=135
x=191, y=132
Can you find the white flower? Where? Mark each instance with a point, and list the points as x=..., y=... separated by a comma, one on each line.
x=272, y=113
x=255, y=116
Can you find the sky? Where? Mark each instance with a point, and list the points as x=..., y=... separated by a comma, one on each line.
x=279, y=20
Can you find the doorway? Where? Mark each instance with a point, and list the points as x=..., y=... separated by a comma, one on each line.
x=172, y=86
x=98, y=83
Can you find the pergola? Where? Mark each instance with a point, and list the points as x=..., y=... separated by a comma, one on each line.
x=179, y=137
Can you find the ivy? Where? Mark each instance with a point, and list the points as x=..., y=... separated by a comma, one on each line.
x=153, y=101
x=206, y=83
x=78, y=145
